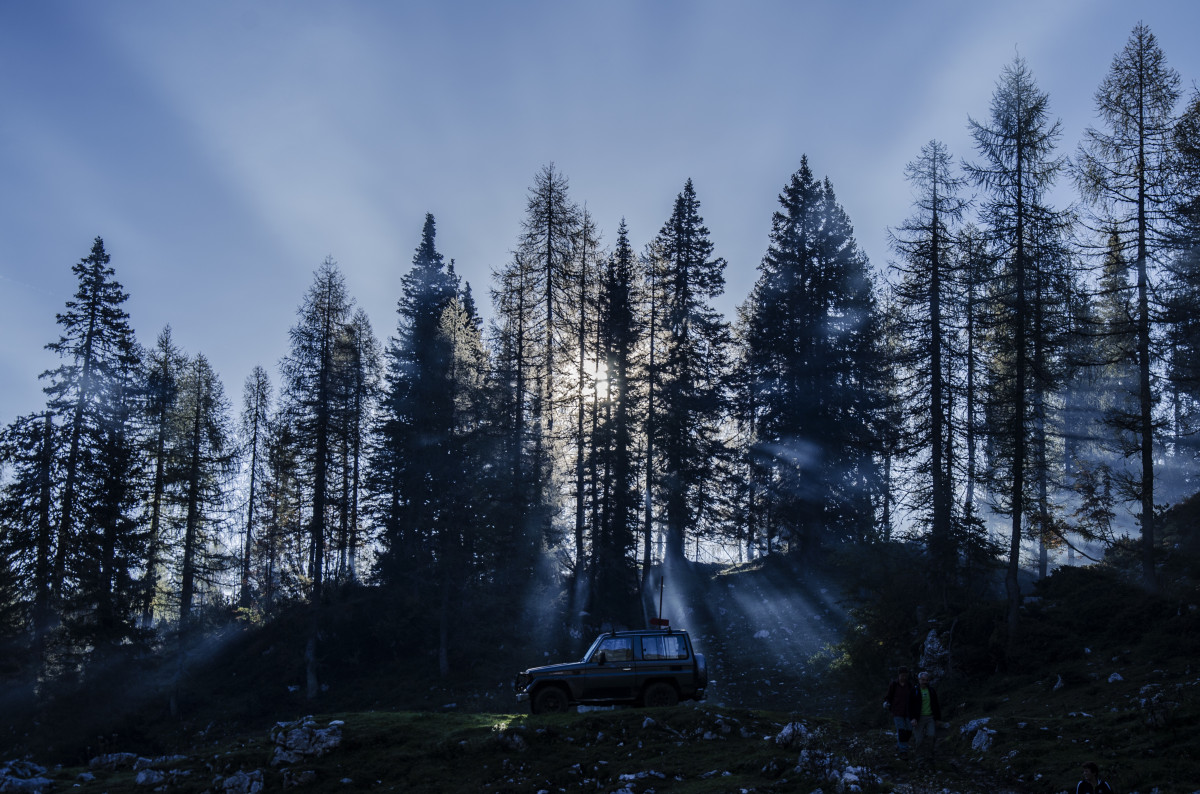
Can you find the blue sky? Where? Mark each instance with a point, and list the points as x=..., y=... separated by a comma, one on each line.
x=223, y=149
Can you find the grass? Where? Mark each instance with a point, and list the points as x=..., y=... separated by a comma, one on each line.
x=1105, y=672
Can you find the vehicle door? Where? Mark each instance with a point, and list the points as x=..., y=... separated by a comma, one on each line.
x=665, y=656
x=609, y=673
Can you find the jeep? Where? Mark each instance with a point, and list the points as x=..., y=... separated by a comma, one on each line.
x=648, y=667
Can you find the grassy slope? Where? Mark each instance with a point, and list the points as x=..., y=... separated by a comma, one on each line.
x=1059, y=705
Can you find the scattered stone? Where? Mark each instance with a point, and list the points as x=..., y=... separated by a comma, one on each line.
x=979, y=733
x=150, y=777
x=1058, y=684
x=24, y=776
x=1115, y=677
x=244, y=782
x=302, y=738
x=792, y=732
x=113, y=761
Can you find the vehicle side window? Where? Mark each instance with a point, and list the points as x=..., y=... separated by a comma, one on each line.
x=615, y=649
x=668, y=646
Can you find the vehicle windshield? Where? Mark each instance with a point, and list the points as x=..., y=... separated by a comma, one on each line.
x=592, y=648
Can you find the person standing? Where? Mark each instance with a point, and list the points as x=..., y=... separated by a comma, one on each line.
x=927, y=714
x=1091, y=783
x=900, y=700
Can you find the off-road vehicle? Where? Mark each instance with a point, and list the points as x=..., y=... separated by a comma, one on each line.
x=647, y=667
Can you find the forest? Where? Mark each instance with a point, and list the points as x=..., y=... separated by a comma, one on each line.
x=1016, y=390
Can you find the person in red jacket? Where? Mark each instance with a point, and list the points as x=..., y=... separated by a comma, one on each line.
x=900, y=700
x=927, y=714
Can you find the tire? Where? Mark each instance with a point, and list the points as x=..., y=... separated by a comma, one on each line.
x=550, y=700
x=660, y=695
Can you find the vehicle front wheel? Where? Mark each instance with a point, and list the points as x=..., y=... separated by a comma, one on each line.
x=660, y=695
x=550, y=700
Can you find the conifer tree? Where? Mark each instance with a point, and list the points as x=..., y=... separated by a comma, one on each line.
x=813, y=346
x=614, y=578
x=255, y=433
x=926, y=313
x=163, y=365
x=1017, y=169
x=689, y=379
x=1126, y=173
x=92, y=390
x=206, y=459
x=415, y=419
x=311, y=374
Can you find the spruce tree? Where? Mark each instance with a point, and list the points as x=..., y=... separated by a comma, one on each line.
x=255, y=434
x=689, y=378
x=93, y=390
x=813, y=355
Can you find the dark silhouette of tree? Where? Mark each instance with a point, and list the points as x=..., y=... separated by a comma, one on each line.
x=1018, y=166
x=206, y=461
x=27, y=459
x=1183, y=289
x=614, y=577
x=359, y=362
x=927, y=312
x=311, y=371
x=1126, y=174
x=415, y=418
x=255, y=434
x=690, y=389
x=162, y=365
x=95, y=551
x=813, y=353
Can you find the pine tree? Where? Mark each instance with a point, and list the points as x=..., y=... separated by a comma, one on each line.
x=926, y=312
x=27, y=498
x=255, y=433
x=1183, y=287
x=206, y=461
x=92, y=392
x=813, y=345
x=415, y=416
x=1126, y=174
x=689, y=379
x=614, y=577
x=163, y=365
x=1018, y=167
x=311, y=375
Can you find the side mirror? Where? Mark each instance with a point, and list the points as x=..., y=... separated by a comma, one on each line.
x=602, y=659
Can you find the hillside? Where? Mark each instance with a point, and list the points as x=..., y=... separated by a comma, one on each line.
x=1106, y=673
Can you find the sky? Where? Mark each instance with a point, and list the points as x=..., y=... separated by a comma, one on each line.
x=223, y=149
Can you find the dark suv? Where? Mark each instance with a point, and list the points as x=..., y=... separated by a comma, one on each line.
x=650, y=667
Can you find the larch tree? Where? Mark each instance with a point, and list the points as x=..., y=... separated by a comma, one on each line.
x=1017, y=167
x=926, y=296
x=1125, y=172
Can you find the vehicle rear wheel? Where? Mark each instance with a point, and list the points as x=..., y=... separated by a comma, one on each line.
x=550, y=700
x=660, y=695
